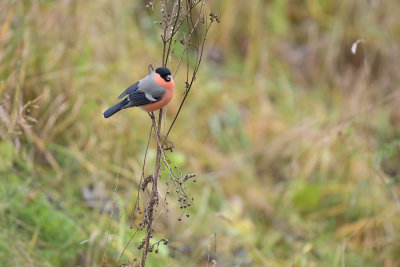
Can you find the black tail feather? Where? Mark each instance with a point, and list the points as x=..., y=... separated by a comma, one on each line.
x=114, y=109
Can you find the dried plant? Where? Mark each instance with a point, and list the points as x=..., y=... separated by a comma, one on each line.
x=183, y=23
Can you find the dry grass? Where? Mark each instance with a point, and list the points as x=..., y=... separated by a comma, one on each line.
x=294, y=138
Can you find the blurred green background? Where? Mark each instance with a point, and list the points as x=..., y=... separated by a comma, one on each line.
x=295, y=139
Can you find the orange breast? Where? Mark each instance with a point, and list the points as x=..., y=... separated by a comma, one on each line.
x=169, y=93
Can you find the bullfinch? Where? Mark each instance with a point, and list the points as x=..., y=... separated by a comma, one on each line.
x=150, y=93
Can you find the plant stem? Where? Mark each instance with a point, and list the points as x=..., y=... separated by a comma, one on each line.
x=154, y=192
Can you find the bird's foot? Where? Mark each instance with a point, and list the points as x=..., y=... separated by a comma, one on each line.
x=168, y=145
x=151, y=114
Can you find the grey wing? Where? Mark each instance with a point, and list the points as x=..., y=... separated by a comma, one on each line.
x=138, y=98
x=151, y=89
x=129, y=90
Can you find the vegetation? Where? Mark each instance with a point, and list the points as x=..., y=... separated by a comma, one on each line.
x=293, y=132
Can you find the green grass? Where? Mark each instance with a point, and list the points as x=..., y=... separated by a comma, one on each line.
x=294, y=139
x=34, y=230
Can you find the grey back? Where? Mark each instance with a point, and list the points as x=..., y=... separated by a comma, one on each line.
x=151, y=89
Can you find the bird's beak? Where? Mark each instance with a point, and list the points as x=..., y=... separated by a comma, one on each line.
x=168, y=78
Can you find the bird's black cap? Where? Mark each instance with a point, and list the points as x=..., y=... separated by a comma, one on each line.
x=163, y=71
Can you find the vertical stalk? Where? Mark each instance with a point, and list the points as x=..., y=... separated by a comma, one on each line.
x=154, y=189
x=172, y=22
x=154, y=192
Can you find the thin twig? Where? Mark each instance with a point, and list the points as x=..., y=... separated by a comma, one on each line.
x=141, y=177
x=154, y=192
x=126, y=246
x=197, y=65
